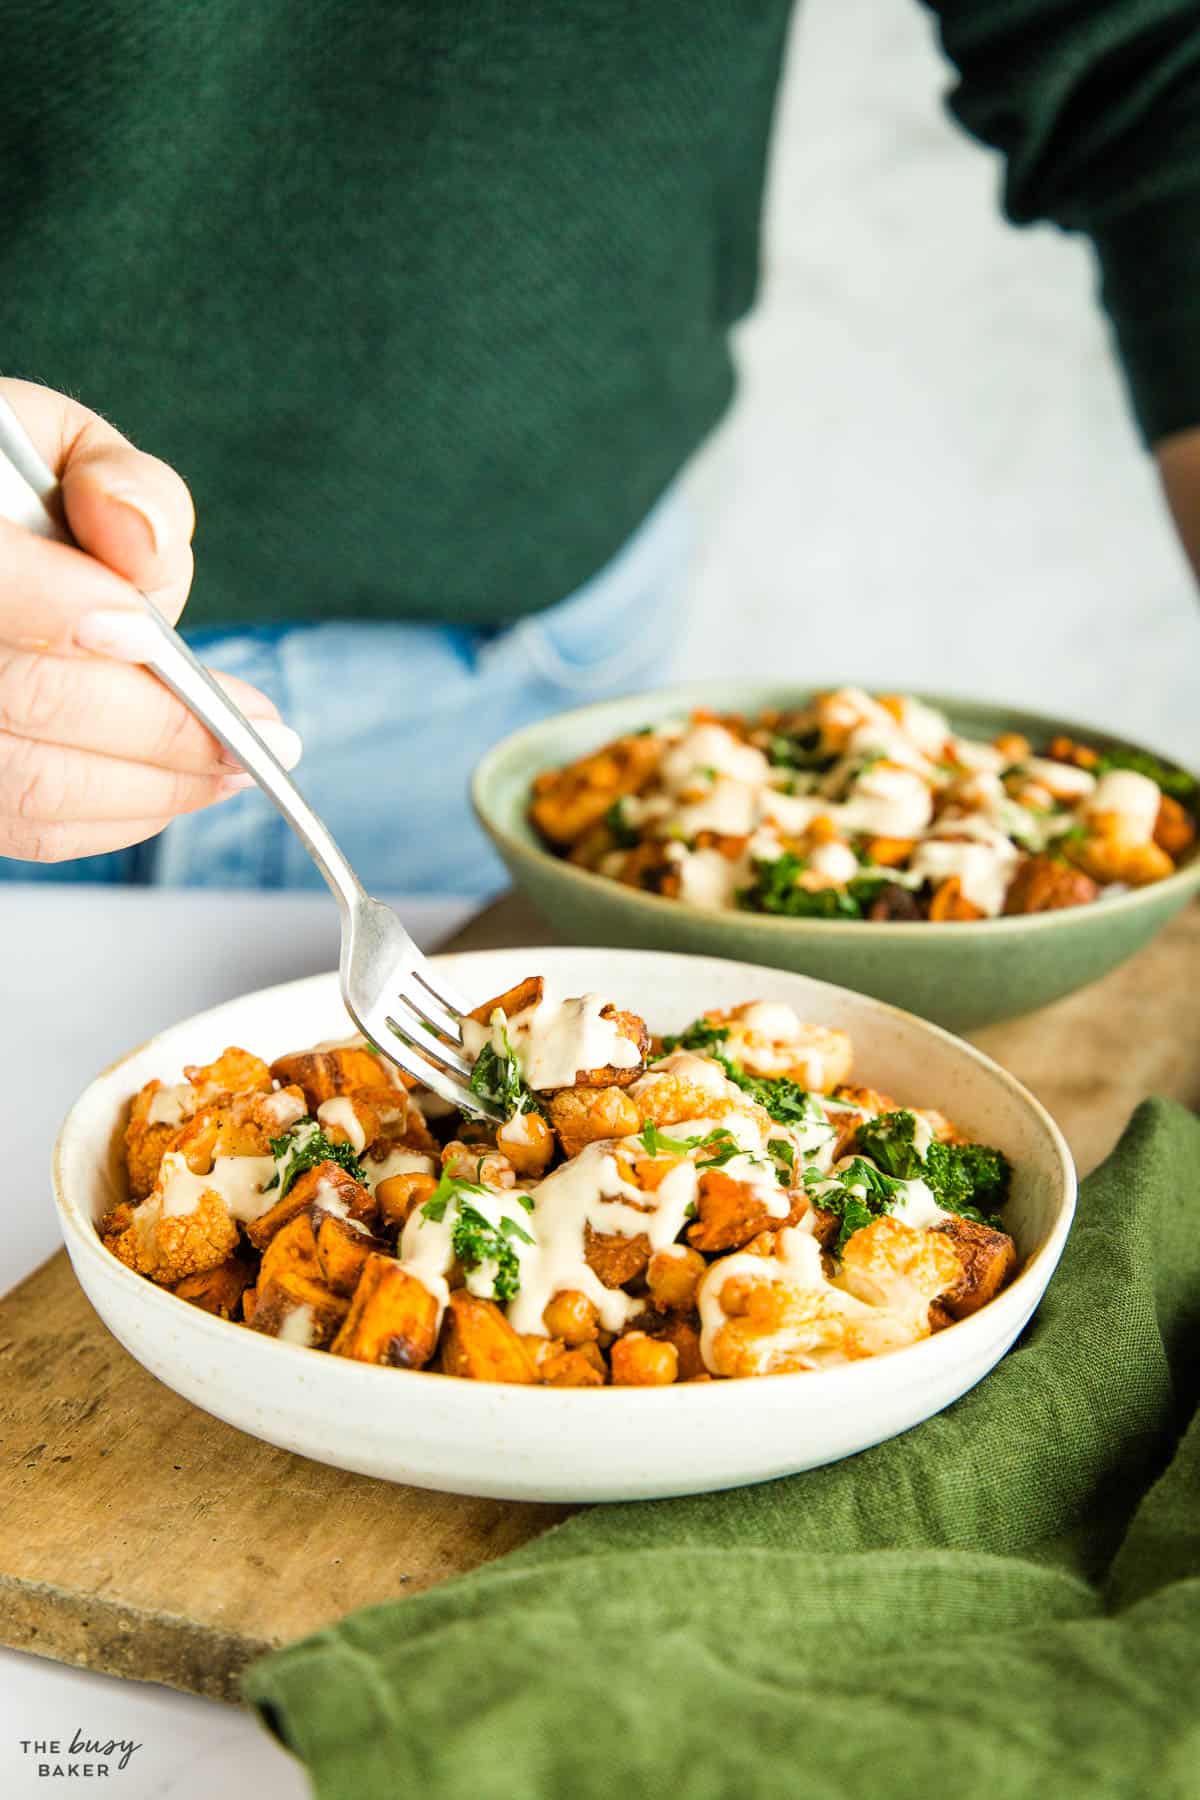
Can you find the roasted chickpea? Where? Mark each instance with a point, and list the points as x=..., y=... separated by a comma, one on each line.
x=641, y=1361
x=572, y=1317
x=399, y=1195
x=528, y=1143
x=672, y=1277
x=572, y=1368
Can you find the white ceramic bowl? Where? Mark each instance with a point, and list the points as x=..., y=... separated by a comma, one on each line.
x=563, y=1444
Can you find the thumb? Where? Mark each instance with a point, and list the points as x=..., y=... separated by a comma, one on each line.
x=128, y=510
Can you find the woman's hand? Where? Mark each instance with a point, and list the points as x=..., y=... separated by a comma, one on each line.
x=94, y=752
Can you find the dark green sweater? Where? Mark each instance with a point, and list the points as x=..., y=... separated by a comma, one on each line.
x=430, y=301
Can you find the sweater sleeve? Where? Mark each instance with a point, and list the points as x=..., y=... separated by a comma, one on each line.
x=1095, y=105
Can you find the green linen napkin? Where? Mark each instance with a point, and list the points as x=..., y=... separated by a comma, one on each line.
x=1003, y=1602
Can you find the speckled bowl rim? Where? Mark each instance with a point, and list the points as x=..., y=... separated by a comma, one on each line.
x=662, y=701
x=82, y=1238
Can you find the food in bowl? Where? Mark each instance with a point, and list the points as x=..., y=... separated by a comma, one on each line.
x=718, y=1204
x=863, y=807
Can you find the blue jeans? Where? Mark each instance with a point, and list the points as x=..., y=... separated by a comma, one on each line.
x=393, y=718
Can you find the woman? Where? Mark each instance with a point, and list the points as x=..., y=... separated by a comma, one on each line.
x=430, y=305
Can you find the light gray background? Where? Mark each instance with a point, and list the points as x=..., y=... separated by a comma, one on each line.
x=932, y=478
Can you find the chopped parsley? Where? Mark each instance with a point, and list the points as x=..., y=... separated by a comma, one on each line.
x=784, y=1157
x=969, y=1179
x=303, y=1148
x=725, y=1147
x=656, y=1143
x=474, y=1239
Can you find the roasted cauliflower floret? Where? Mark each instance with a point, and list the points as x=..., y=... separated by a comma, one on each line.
x=479, y=1344
x=238, y=1125
x=758, y=1321
x=235, y=1071
x=684, y=1086
x=167, y=1246
x=148, y=1136
x=767, y=1038
x=989, y=1262
x=583, y=1116
x=892, y=1266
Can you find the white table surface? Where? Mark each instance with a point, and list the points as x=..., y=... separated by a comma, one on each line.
x=86, y=973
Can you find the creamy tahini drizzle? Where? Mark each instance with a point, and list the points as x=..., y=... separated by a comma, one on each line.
x=340, y=1111
x=1134, y=798
x=238, y=1180
x=556, y=1040
x=709, y=780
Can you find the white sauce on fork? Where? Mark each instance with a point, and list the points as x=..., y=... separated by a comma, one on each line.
x=556, y=1040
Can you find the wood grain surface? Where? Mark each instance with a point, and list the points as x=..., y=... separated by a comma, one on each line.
x=140, y=1537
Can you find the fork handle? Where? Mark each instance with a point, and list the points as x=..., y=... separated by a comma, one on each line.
x=30, y=497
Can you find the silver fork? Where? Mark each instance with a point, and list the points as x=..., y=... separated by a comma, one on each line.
x=391, y=992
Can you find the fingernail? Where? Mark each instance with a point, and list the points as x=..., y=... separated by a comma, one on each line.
x=235, y=784
x=153, y=521
x=130, y=636
x=283, y=743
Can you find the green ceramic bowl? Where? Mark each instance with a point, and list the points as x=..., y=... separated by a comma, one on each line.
x=960, y=975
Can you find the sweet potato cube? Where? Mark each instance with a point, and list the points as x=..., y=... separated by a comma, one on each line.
x=570, y=801
x=989, y=1260
x=324, y=1073
x=343, y=1248
x=393, y=1317
x=327, y=1186
x=293, y=1249
x=218, y=1290
x=479, y=1343
x=730, y=1213
x=301, y=1311
x=614, y=1259
x=515, y=1000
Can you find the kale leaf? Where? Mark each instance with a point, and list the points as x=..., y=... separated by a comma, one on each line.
x=776, y=889
x=969, y=1179
x=301, y=1149
x=497, y=1077
x=700, y=1036
x=474, y=1239
x=1176, y=782
x=862, y=1193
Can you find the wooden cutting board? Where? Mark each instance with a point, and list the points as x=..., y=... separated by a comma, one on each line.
x=140, y=1537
